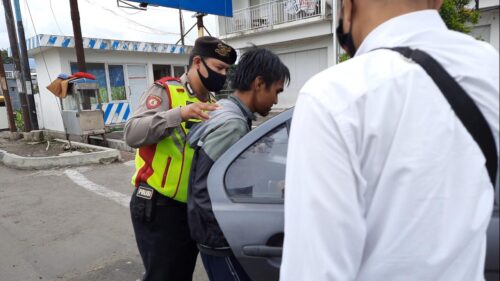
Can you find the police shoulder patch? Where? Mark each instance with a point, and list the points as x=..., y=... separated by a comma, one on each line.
x=153, y=102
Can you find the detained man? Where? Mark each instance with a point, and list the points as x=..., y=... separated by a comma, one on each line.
x=260, y=76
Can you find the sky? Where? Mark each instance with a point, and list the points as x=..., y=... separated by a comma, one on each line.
x=103, y=19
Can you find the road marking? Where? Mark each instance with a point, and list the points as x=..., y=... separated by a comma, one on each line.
x=100, y=190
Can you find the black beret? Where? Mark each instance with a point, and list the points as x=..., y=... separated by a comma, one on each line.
x=212, y=47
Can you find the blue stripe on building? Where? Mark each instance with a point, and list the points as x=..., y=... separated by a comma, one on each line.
x=52, y=40
x=103, y=46
x=119, y=109
x=108, y=111
x=127, y=112
x=66, y=42
x=92, y=43
x=115, y=44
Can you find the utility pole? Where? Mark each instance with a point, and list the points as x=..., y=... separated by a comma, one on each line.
x=181, y=24
x=80, y=54
x=21, y=86
x=199, y=24
x=25, y=66
x=6, y=95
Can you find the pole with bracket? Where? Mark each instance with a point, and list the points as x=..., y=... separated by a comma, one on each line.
x=14, y=46
x=80, y=54
x=25, y=66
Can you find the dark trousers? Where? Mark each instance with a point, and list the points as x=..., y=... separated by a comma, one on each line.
x=220, y=268
x=165, y=245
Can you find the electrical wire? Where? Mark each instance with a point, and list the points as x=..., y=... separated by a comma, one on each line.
x=55, y=19
x=46, y=67
x=151, y=29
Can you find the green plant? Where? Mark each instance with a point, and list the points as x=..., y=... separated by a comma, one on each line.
x=458, y=16
x=5, y=56
x=118, y=93
x=343, y=57
x=18, y=119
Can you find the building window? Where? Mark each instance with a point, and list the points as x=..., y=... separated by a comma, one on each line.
x=99, y=71
x=179, y=71
x=9, y=74
x=13, y=89
x=117, y=82
x=161, y=70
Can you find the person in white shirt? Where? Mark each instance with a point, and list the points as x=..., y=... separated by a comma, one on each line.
x=383, y=181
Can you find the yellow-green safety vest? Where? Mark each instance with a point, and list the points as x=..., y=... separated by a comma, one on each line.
x=165, y=166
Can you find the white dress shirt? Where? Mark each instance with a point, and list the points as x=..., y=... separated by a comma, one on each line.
x=383, y=181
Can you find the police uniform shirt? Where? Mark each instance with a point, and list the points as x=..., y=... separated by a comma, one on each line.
x=153, y=120
x=383, y=181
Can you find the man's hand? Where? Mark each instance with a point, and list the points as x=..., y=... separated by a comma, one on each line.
x=197, y=110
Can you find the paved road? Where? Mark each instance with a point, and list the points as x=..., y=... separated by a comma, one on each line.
x=69, y=224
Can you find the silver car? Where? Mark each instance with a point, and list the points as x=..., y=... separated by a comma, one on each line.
x=249, y=207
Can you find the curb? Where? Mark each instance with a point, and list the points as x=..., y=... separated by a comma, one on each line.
x=116, y=144
x=104, y=155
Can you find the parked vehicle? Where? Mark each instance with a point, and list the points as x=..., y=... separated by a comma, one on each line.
x=246, y=186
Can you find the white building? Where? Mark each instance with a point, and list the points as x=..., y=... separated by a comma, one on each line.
x=302, y=33
x=124, y=69
x=487, y=28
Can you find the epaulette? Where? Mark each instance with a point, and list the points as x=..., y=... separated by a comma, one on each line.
x=166, y=81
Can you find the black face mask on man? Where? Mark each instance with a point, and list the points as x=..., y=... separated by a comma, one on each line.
x=214, y=82
x=345, y=39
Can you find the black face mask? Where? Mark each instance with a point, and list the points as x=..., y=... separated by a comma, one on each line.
x=345, y=39
x=214, y=82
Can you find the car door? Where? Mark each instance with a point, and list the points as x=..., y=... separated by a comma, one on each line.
x=246, y=187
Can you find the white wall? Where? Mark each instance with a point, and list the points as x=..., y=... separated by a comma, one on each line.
x=308, y=28
x=58, y=61
x=304, y=59
x=487, y=28
x=4, y=122
x=48, y=106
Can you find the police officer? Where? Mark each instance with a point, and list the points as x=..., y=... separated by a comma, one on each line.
x=158, y=130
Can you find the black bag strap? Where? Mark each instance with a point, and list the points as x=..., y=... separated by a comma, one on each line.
x=464, y=107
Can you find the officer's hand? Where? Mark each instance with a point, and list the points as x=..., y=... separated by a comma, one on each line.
x=197, y=110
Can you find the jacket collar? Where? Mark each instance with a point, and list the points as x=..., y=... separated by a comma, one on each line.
x=244, y=109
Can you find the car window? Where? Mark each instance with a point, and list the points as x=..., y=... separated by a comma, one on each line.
x=258, y=174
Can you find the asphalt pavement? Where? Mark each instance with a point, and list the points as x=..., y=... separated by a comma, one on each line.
x=69, y=224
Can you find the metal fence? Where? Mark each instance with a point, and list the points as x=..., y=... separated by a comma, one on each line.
x=272, y=13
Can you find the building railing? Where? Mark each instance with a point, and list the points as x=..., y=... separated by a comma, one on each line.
x=272, y=13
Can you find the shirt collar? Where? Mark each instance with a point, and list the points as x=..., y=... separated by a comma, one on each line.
x=245, y=110
x=396, y=31
x=185, y=81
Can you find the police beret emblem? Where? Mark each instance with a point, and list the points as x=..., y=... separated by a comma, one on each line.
x=223, y=50
x=153, y=102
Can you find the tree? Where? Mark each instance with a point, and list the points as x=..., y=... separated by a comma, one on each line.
x=5, y=57
x=458, y=16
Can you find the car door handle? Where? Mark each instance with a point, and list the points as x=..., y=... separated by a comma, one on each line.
x=262, y=251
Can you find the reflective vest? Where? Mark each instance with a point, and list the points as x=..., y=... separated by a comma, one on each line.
x=165, y=166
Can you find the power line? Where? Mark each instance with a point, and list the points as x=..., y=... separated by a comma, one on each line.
x=153, y=30
x=45, y=63
x=54, y=16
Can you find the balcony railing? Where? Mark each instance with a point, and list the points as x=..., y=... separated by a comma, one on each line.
x=272, y=13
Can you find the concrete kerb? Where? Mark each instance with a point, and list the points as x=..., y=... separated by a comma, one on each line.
x=103, y=155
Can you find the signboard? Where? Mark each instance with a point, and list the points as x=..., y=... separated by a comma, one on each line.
x=214, y=7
